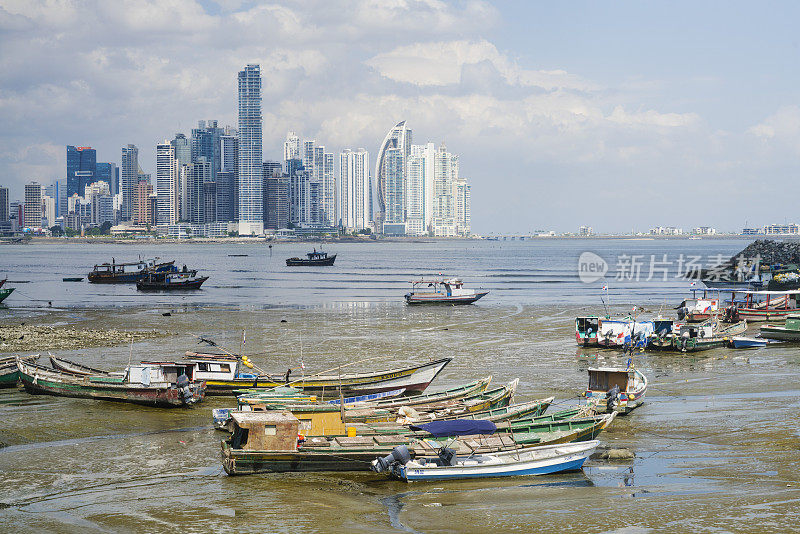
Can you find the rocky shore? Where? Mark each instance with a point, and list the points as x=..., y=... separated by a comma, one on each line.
x=25, y=338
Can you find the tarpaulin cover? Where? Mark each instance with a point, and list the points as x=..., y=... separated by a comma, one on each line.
x=457, y=427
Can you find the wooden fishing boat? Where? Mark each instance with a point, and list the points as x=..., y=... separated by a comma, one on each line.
x=68, y=366
x=790, y=331
x=447, y=465
x=312, y=259
x=511, y=412
x=268, y=442
x=450, y=291
x=586, y=330
x=5, y=292
x=170, y=281
x=9, y=372
x=615, y=389
x=223, y=375
x=163, y=384
x=769, y=305
x=708, y=335
x=126, y=273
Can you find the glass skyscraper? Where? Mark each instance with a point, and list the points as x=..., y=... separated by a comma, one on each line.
x=81, y=168
x=390, y=177
x=251, y=202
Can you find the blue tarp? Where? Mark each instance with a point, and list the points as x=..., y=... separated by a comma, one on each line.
x=457, y=427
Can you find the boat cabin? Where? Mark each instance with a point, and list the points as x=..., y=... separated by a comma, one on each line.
x=124, y=268
x=602, y=379
x=217, y=367
x=450, y=287
x=149, y=373
x=586, y=329
x=313, y=419
x=317, y=255
x=692, y=331
x=264, y=431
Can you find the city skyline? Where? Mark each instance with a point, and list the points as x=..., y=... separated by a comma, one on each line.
x=620, y=130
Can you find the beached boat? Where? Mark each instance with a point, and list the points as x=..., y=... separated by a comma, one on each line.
x=170, y=281
x=624, y=332
x=742, y=342
x=769, y=305
x=268, y=442
x=312, y=259
x=126, y=273
x=615, y=389
x=586, y=329
x=698, y=309
x=449, y=291
x=164, y=384
x=9, y=371
x=708, y=335
x=664, y=331
x=5, y=292
x=790, y=331
x=447, y=465
x=224, y=375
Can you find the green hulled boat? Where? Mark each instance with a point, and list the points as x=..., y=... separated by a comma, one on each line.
x=5, y=293
x=9, y=370
x=790, y=331
x=708, y=335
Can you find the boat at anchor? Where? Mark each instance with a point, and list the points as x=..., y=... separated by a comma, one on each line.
x=446, y=291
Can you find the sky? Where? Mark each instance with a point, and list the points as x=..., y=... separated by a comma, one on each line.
x=619, y=115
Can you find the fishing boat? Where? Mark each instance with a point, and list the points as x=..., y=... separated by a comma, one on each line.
x=586, y=330
x=448, y=465
x=768, y=305
x=5, y=292
x=790, y=331
x=223, y=374
x=615, y=389
x=271, y=441
x=170, y=281
x=162, y=384
x=9, y=372
x=68, y=366
x=708, y=335
x=445, y=291
x=742, y=342
x=126, y=273
x=664, y=331
x=72, y=279
x=698, y=309
x=312, y=259
x=624, y=332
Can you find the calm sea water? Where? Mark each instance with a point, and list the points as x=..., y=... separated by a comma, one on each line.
x=516, y=272
x=717, y=443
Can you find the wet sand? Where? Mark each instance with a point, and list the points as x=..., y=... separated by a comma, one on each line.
x=717, y=446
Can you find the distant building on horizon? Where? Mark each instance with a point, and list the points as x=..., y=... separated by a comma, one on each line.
x=81, y=168
x=355, y=190
x=33, y=205
x=390, y=179
x=129, y=177
x=108, y=173
x=167, y=186
x=251, y=200
x=5, y=207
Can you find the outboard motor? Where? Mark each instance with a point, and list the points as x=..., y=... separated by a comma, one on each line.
x=612, y=398
x=186, y=391
x=399, y=455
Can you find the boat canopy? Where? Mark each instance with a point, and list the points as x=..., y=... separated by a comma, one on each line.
x=457, y=427
x=788, y=292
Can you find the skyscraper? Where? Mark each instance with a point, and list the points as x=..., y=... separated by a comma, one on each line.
x=291, y=148
x=5, y=208
x=419, y=188
x=206, y=144
x=444, y=202
x=166, y=184
x=390, y=169
x=251, y=208
x=143, y=214
x=129, y=179
x=276, y=199
x=355, y=190
x=81, y=168
x=199, y=175
x=33, y=205
x=108, y=173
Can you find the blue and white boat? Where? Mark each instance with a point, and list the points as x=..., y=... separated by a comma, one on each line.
x=544, y=460
x=742, y=342
x=444, y=463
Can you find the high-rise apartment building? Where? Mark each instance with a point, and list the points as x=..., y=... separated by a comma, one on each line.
x=291, y=148
x=129, y=178
x=355, y=190
x=5, y=207
x=206, y=144
x=390, y=169
x=108, y=173
x=33, y=205
x=251, y=200
x=81, y=168
x=444, y=202
x=144, y=214
x=276, y=201
x=463, y=207
x=199, y=175
x=167, y=185
x=419, y=189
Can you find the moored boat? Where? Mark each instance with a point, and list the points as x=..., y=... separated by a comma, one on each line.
x=769, y=305
x=224, y=375
x=698, y=309
x=68, y=366
x=126, y=273
x=615, y=389
x=586, y=330
x=312, y=259
x=742, y=342
x=708, y=335
x=163, y=384
x=790, y=331
x=5, y=292
x=447, y=291
x=664, y=331
x=9, y=371
x=170, y=281
x=624, y=332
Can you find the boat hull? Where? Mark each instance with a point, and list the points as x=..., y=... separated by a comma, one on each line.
x=753, y=314
x=748, y=343
x=535, y=461
x=413, y=379
x=4, y=293
x=779, y=332
x=442, y=299
x=144, y=285
x=300, y=262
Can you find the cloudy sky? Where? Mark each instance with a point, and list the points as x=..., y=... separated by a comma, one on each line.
x=618, y=115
